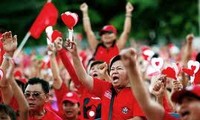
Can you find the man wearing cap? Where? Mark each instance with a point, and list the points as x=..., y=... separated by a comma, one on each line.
x=188, y=100
x=109, y=46
x=70, y=105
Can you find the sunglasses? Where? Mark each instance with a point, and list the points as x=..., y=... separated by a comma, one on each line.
x=34, y=94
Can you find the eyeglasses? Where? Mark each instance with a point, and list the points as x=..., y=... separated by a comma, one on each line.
x=33, y=94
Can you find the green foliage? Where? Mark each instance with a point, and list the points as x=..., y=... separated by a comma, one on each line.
x=166, y=19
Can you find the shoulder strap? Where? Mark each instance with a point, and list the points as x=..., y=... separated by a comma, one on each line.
x=111, y=103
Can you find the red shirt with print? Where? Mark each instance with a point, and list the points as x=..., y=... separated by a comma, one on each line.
x=90, y=105
x=125, y=105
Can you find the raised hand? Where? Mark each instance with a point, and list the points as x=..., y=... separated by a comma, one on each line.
x=129, y=7
x=189, y=38
x=103, y=71
x=128, y=57
x=158, y=87
x=71, y=47
x=51, y=48
x=177, y=86
x=84, y=7
x=9, y=42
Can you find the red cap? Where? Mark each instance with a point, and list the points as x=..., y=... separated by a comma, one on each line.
x=108, y=28
x=71, y=96
x=55, y=35
x=188, y=91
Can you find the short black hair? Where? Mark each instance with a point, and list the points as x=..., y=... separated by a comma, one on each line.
x=8, y=110
x=95, y=62
x=45, y=85
x=90, y=61
x=114, y=59
x=20, y=84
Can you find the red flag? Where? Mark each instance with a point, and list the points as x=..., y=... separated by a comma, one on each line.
x=47, y=17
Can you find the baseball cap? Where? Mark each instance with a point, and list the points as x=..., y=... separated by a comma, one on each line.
x=71, y=96
x=108, y=28
x=193, y=91
x=55, y=34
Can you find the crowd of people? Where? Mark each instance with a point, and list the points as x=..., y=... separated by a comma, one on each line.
x=119, y=82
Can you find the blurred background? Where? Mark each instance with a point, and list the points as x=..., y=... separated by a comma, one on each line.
x=153, y=21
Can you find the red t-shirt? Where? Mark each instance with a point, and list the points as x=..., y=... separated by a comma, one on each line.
x=105, y=54
x=50, y=115
x=59, y=95
x=90, y=105
x=125, y=105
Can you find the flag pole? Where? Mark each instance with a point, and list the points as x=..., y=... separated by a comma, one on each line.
x=28, y=34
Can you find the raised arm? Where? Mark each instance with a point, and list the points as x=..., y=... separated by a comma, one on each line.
x=84, y=78
x=157, y=88
x=66, y=62
x=54, y=67
x=6, y=89
x=152, y=110
x=9, y=45
x=127, y=27
x=187, y=52
x=186, y=56
x=18, y=94
x=87, y=27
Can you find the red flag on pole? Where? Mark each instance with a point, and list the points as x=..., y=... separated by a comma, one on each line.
x=47, y=17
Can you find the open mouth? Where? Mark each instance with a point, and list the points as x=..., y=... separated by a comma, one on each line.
x=115, y=79
x=69, y=113
x=95, y=75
